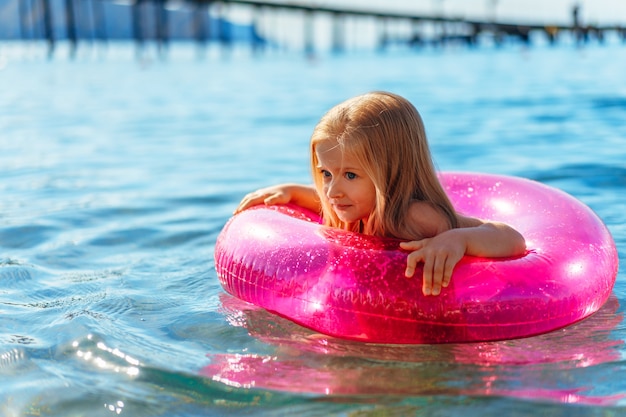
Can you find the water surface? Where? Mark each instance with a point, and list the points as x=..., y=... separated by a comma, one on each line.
x=117, y=174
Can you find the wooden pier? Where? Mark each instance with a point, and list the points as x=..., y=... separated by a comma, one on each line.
x=150, y=21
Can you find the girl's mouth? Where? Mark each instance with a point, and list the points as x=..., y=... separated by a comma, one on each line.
x=341, y=207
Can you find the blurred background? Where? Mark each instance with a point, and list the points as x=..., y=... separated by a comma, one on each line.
x=310, y=26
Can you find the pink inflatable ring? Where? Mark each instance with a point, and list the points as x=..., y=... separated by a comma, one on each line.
x=352, y=286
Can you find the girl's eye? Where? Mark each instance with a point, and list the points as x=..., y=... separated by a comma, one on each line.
x=325, y=173
x=350, y=175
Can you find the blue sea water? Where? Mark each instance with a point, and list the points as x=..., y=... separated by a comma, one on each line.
x=117, y=174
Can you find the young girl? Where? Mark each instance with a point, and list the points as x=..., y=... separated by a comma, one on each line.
x=373, y=174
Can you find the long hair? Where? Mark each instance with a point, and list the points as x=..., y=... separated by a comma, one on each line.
x=386, y=135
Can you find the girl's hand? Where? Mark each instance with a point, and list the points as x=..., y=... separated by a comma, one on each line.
x=440, y=254
x=276, y=194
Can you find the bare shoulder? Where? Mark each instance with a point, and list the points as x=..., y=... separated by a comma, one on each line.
x=427, y=219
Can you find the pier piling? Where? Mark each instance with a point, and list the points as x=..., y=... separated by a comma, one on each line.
x=309, y=33
x=70, y=23
x=47, y=25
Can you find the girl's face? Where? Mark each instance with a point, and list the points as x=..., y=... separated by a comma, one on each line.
x=348, y=189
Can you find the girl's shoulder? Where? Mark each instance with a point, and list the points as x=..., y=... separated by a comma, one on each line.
x=428, y=219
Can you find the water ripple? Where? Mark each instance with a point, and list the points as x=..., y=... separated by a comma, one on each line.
x=25, y=237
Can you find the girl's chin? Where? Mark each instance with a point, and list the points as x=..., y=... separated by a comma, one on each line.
x=342, y=216
x=346, y=219
x=347, y=216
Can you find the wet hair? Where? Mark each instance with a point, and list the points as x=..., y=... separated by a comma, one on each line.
x=384, y=132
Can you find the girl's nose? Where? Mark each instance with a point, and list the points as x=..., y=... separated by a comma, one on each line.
x=333, y=189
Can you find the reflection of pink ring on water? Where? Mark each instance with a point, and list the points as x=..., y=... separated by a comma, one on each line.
x=353, y=286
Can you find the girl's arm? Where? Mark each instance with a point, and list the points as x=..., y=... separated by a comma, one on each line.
x=299, y=194
x=444, y=250
x=490, y=239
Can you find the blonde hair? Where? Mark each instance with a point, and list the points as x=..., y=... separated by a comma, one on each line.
x=386, y=135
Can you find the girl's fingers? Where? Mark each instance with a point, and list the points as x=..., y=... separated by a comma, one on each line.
x=246, y=202
x=429, y=284
x=413, y=258
x=413, y=245
x=254, y=199
x=438, y=274
x=438, y=266
x=410, y=267
x=447, y=275
x=274, y=199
